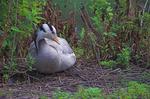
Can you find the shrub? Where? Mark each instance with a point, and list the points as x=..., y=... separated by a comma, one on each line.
x=123, y=58
x=19, y=21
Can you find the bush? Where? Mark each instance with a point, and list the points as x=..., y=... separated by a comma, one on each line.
x=116, y=27
x=19, y=22
x=122, y=60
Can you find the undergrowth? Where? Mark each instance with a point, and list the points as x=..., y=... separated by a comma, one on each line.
x=13, y=67
x=18, y=21
x=117, y=35
x=122, y=60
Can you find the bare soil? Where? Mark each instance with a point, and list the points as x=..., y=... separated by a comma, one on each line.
x=84, y=73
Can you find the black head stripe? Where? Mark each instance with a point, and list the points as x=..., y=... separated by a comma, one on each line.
x=42, y=29
x=51, y=28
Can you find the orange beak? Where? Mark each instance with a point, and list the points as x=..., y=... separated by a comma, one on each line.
x=56, y=40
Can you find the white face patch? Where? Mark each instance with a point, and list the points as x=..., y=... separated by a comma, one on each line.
x=46, y=28
x=49, y=30
x=54, y=29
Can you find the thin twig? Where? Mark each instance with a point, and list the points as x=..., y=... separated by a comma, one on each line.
x=141, y=24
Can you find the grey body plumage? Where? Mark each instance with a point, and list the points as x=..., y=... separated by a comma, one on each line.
x=54, y=53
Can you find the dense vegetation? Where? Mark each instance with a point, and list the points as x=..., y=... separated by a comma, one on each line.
x=122, y=32
x=17, y=22
x=115, y=33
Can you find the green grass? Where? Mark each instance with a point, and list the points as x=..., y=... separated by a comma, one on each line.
x=133, y=90
x=43, y=97
x=79, y=52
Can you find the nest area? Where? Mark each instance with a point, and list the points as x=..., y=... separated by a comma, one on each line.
x=84, y=73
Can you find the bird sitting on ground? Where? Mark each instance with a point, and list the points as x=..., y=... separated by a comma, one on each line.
x=51, y=53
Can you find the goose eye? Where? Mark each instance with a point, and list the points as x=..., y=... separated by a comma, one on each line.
x=53, y=32
x=51, y=28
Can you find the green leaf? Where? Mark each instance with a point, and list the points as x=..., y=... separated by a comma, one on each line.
x=15, y=29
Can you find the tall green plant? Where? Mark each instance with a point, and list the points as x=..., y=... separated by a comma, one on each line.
x=103, y=13
x=123, y=58
x=19, y=19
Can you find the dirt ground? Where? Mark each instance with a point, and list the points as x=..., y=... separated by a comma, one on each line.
x=84, y=73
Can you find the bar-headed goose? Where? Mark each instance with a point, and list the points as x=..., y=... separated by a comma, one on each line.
x=52, y=54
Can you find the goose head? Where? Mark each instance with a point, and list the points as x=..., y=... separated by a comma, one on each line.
x=48, y=31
